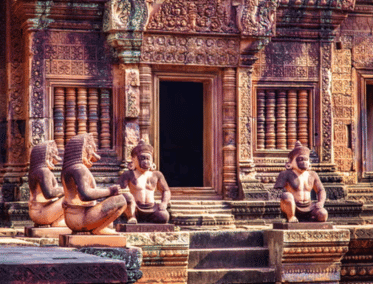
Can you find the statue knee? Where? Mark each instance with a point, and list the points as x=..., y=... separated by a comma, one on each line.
x=163, y=217
x=129, y=197
x=321, y=215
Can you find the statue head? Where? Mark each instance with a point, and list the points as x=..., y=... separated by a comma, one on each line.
x=298, y=158
x=142, y=156
x=81, y=149
x=44, y=155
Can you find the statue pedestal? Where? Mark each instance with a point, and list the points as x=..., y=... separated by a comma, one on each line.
x=165, y=256
x=145, y=228
x=309, y=255
x=51, y=232
x=92, y=241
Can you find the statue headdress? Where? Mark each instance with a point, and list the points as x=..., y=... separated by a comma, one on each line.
x=142, y=147
x=40, y=154
x=298, y=149
x=74, y=149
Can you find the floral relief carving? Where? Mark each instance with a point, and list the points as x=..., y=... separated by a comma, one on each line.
x=190, y=50
x=132, y=90
x=194, y=16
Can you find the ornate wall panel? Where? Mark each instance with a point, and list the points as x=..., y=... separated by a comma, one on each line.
x=195, y=16
x=63, y=55
x=190, y=50
x=288, y=60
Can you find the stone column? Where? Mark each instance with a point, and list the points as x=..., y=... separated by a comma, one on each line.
x=308, y=254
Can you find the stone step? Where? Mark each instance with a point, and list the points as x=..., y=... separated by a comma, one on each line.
x=231, y=275
x=193, y=193
x=225, y=239
x=187, y=202
x=200, y=211
x=228, y=258
x=201, y=219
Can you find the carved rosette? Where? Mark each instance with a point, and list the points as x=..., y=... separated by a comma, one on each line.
x=124, y=22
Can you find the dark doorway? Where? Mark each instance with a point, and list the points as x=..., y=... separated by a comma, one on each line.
x=181, y=133
x=369, y=155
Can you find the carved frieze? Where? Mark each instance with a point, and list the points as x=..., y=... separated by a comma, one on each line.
x=195, y=16
x=190, y=50
x=294, y=60
x=131, y=138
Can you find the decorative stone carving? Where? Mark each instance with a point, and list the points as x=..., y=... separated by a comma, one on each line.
x=46, y=197
x=142, y=182
x=145, y=101
x=311, y=256
x=132, y=79
x=124, y=22
x=190, y=50
x=82, y=211
x=297, y=182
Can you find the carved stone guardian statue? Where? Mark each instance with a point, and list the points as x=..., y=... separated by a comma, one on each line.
x=46, y=197
x=83, y=213
x=143, y=181
x=297, y=182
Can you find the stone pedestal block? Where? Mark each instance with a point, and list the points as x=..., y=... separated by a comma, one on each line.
x=92, y=241
x=145, y=228
x=165, y=256
x=52, y=232
x=357, y=264
x=307, y=255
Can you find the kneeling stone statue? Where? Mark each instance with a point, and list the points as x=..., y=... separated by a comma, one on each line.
x=297, y=182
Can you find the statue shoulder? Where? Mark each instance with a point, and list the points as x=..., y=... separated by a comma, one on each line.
x=158, y=174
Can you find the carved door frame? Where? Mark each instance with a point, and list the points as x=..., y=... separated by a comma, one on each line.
x=363, y=79
x=212, y=124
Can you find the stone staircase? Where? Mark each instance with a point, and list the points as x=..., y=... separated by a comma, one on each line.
x=217, y=257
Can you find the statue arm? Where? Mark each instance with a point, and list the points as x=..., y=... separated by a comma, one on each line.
x=86, y=186
x=49, y=185
x=281, y=181
x=166, y=192
x=320, y=191
x=124, y=179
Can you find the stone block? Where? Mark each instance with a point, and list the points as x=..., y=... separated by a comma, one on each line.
x=132, y=256
x=51, y=232
x=303, y=226
x=55, y=265
x=146, y=228
x=165, y=256
x=92, y=241
x=302, y=255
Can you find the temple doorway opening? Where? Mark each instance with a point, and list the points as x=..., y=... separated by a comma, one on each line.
x=369, y=149
x=181, y=122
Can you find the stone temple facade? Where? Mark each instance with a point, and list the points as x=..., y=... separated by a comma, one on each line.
x=221, y=88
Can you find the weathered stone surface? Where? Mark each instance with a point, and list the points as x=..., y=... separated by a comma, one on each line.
x=311, y=256
x=130, y=228
x=54, y=265
x=92, y=241
x=132, y=257
x=52, y=232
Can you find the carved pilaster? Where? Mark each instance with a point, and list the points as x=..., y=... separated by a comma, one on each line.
x=105, y=137
x=132, y=83
x=229, y=133
x=93, y=113
x=292, y=118
x=82, y=110
x=70, y=113
x=326, y=107
x=145, y=101
x=260, y=97
x=59, y=118
x=303, y=117
x=281, y=120
x=270, y=120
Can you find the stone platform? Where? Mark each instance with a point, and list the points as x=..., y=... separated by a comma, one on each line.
x=311, y=255
x=79, y=241
x=56, y=265
x=51, y=232
x=145, y=228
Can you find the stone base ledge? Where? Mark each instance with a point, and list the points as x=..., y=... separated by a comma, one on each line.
x=51, y=232
x=92, y=241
